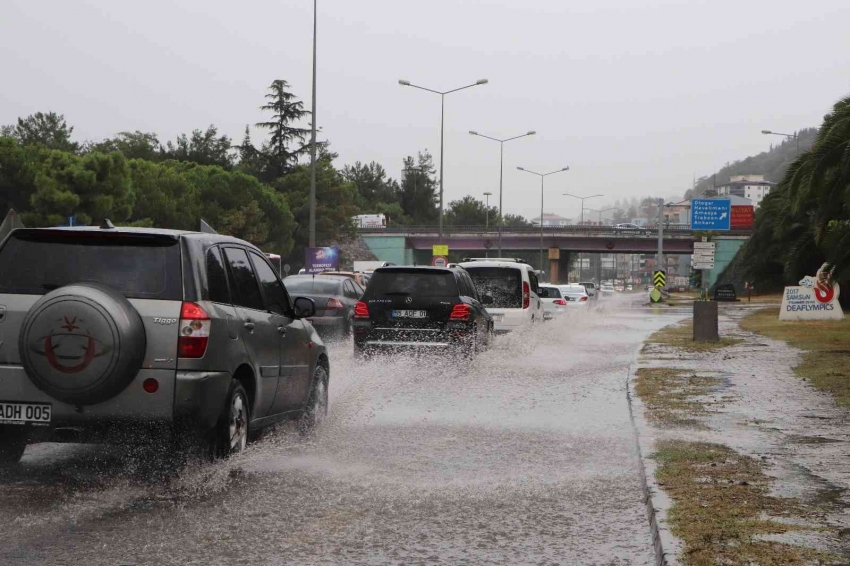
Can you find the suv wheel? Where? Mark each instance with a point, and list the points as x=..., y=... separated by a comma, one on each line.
x=233, y=426
x=12, y=446
x=317, y=404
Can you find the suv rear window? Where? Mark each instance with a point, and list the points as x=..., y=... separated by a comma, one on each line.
x=139, y=266
x=313, y=286
x=414, y=282
x=504, y=284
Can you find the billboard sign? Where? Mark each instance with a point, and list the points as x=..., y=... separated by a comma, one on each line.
x=321, y=259
x=710, y=214
x=742, y=217
x=816, y=298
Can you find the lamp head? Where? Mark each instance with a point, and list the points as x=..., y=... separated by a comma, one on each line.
x=481, y=82
x=403, y=82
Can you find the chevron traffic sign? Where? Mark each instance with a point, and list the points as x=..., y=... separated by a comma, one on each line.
x=659, y=278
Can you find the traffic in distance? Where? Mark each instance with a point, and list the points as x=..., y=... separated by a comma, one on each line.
x=195, y=338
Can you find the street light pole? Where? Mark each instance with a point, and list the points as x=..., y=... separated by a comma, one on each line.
x=542, y=176
x=442, y=130
x=487, y=211
x=312, y=221
x=796, y=136
x=501, y=173
x=580, y=258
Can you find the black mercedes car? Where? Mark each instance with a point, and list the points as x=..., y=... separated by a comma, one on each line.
x=421, y=308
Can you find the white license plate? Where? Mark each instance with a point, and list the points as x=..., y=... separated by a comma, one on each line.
x=498, y=317
x=24, y=413
x=410, y=314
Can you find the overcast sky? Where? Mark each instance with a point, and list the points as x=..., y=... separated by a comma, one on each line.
x=634, y=96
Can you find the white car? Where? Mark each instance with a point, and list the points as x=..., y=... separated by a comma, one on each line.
x=512, y=286
x=607, y=289
x=554, y=303
x=575, y=294
x=590, y=288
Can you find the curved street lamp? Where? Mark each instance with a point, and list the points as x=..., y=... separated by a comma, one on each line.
x=442, y=94
x=580, y=259
x=542, y=176
x=501, y=172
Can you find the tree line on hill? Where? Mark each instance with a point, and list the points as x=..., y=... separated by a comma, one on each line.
x=258, y=193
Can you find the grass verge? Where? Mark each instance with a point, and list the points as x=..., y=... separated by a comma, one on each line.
x=670, y=395
x=681, y=336
x=826, y=346
x=721, y=505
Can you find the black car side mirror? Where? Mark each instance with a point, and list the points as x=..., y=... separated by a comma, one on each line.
x=304, y=307
x=486, y=300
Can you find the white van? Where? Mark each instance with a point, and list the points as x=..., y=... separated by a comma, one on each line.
x=511, y=288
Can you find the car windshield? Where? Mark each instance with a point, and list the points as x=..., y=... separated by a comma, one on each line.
x=138, y=266
x=414, y=282
x=313, y=285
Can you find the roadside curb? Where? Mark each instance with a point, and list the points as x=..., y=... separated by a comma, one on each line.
x=666, y=545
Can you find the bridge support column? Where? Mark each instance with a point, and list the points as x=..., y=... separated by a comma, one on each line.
x=554, y=258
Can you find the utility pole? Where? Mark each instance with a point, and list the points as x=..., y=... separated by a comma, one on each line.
x=660, y=257
x=312, y=237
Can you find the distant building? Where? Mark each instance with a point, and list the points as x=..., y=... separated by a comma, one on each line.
x=551, y=220
x=752, y=187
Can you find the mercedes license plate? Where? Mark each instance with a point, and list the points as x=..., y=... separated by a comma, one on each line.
x=410, y=314
x=24, y=413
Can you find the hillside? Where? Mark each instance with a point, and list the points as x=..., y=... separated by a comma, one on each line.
x=771, y=163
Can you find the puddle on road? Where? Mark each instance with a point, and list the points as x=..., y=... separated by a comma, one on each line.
x=523, y=455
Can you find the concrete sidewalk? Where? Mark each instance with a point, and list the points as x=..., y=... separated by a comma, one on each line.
x=756, y=406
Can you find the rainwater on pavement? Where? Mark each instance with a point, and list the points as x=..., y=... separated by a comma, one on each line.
x=524, y=455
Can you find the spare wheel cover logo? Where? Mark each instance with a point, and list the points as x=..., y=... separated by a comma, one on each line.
x=55, y=339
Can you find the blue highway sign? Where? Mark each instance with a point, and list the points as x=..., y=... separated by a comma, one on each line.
x=710, y=214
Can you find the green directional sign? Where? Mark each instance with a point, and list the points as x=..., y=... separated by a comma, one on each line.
x=659, y=279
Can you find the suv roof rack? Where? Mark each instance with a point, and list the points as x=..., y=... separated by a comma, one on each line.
x=510, y=259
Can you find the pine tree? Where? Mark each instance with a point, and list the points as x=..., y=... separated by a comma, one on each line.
x=280, y=156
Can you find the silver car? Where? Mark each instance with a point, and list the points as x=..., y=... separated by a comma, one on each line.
x=110, y=333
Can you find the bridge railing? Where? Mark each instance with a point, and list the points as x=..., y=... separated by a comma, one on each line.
x=679, y=229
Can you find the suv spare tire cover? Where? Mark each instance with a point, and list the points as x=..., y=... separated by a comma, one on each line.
x=82, y=343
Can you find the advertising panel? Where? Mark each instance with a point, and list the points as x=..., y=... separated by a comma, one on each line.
x=742, y=216
x=321, y=259
x=816, y=298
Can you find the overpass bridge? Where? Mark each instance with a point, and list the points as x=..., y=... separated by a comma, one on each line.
x=405, y=245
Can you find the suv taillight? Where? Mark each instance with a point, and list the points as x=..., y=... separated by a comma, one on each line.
x=560, y=302
x=361, y=310
x=194, y=331
x=526, y=295
x=460, y=311
x=334, y=304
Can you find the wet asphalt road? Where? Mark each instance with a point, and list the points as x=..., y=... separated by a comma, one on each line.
x=523, y=456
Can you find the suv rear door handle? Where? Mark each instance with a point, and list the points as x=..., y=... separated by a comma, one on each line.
x=249, y=326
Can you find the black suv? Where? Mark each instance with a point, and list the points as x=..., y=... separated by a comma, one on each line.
x=104, y=332
x=421, y=308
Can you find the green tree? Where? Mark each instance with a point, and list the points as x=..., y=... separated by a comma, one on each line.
x=202, y=147
x=374, y=188
x=17, y=174
x=418, y=196
x=516, y=221
x=92, y=187
x=250, y=158
x=470, y=211
x=50, y=130
x=287, y=110
x=335, y=203
x=133, y=145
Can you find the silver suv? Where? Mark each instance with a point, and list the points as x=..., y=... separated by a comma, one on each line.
x=108, y=333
